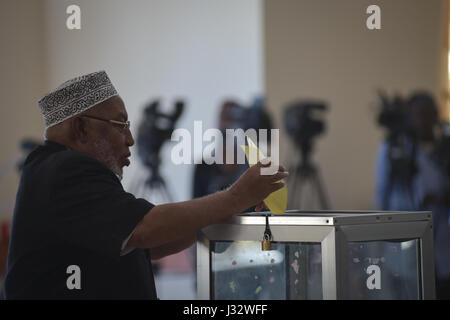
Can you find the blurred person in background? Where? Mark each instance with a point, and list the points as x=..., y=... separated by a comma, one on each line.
x=413, y=175
x=215, y=177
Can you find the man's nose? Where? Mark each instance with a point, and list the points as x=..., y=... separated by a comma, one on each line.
x=129, y=138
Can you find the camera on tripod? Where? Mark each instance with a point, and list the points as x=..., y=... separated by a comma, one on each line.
x=412, y=134
x=155, y=129
x=303, y=123
x=393, y=115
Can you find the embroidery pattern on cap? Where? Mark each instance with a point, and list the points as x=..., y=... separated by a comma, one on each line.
x=75, y=96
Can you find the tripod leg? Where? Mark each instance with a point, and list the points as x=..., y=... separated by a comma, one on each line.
x=303, y=179
x=309, y=194
x=159, y=192
x=295, y=191
x=291, y=182
x=299, y=185
x=304, y=194
x=320, y=191
x=165, y=193
x=135, y=185
x=140, y=191
x=142, y=186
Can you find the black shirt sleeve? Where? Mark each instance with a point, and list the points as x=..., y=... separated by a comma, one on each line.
x=91, y=209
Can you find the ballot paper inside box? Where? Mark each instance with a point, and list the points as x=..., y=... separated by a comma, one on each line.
x=318, y=255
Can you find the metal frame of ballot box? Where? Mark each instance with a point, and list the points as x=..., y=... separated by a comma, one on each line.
x=334, y=230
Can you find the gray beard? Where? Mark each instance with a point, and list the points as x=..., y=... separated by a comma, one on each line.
x=104, y=155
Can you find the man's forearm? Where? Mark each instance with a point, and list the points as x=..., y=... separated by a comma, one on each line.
x=168, y=222
x=172, y=247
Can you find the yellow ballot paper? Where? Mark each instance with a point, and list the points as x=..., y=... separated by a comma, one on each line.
x=276, y=201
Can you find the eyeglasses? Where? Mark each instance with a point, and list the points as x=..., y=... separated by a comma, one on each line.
x=124, y=125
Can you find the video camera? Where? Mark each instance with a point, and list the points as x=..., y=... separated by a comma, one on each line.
x=154, y=130
x=394, y=115
x=302, y=122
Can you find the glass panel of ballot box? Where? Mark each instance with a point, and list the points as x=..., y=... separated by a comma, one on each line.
x=318, y=255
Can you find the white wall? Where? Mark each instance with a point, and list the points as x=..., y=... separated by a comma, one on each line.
x=199, y=50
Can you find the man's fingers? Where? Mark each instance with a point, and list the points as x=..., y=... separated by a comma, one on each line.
x=276, y=186
x=264, y=162
x=278, y=176
x=262, y=205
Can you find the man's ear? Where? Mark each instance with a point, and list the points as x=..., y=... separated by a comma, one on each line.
x=79, y=130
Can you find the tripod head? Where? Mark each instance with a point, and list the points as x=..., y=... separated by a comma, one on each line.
x=303, y=124
x=395, y=117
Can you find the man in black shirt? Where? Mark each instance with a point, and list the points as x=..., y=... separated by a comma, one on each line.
x=76, y=233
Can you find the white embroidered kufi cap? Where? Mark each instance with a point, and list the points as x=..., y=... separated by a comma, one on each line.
x=75, y=96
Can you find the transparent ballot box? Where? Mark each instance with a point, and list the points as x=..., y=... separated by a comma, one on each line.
x=318, y=255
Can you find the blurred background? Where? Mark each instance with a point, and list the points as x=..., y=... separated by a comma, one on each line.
x=222, y=60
